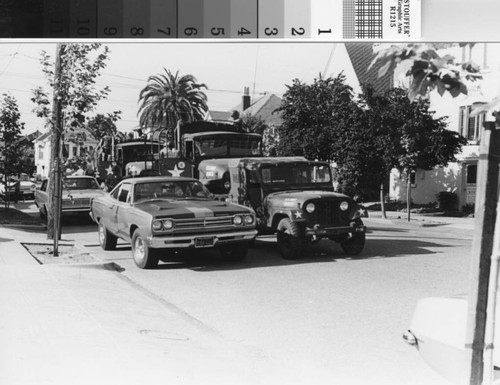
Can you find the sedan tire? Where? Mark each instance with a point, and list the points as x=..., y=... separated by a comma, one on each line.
x=144, y=256
x=106, y=239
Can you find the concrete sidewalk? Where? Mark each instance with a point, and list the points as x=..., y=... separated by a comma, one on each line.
x=423, y=220
x=88, y=324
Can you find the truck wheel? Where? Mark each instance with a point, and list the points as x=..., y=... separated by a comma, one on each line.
x=234, y=253
x=290, y=239
x=355, y=244
x=144, y=256
x=106, y=239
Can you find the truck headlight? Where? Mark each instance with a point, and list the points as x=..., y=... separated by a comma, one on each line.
x=344, y=205
x=310, y=207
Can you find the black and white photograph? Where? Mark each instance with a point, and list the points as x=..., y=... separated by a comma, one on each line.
x=249, y=212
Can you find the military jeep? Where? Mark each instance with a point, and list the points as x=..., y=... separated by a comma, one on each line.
x=292, y=197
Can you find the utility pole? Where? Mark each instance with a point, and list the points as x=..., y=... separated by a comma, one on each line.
x=54, y=215
x=482, y=248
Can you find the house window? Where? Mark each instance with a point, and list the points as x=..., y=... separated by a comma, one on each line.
x=413, y=179
x=470, y=126
x=40, y=153
x=471, y=173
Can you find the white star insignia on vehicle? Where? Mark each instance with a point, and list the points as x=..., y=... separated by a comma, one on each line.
x=298, y=215
x=175, y=171
x=109, y=170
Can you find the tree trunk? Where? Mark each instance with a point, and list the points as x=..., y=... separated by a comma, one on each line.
x=408, y=194
x=55, y=144
x=382, y=203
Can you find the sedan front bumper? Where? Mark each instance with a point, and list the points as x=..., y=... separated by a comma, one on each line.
x=190, y=241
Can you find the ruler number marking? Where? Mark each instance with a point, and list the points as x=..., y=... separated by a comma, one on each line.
x=190, y=31
x=271, y=31
x=167, y=31
x=298, y=31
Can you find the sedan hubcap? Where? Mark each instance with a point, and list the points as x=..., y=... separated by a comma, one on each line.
x=139, y=249
x=101, y=234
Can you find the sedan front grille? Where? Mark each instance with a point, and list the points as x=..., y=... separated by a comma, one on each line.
x=190, y=224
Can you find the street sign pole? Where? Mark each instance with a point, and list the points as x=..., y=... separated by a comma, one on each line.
x=482, y=248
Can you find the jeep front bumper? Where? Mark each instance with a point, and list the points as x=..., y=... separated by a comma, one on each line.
x=323, y=232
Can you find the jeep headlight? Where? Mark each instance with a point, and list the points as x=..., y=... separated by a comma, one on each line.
x=310, y=207
x=344, y=205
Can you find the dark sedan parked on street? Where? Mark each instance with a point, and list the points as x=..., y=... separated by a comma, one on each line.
x=159, y=215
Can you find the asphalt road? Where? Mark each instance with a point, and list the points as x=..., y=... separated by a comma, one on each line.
x=326, y=318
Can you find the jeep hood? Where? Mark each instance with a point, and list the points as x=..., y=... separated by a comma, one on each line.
x=304, y=195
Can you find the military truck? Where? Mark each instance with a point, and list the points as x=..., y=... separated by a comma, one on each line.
x=178, y=151
x=292, y=197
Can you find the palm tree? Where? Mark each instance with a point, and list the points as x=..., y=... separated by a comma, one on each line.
x=169, y=98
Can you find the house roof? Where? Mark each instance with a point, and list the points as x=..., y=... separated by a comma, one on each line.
x=48, y=134
x=361, y=56
x=264, y=108
x=220, y=115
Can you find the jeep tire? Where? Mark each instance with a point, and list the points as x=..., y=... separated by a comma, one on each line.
x=290, y=239
x=355, y=243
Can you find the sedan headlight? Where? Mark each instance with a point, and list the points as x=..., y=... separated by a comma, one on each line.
x=249, y=220
x=165, y=224
x=168, y=224
x=344, y=205
x=157, y=225
x=238, y=220
x=310, y=207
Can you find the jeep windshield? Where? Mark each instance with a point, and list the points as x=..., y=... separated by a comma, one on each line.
x=306, y=174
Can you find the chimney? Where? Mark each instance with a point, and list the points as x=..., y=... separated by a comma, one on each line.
x=246, y=98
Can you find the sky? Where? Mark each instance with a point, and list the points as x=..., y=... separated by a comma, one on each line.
x=226, y=68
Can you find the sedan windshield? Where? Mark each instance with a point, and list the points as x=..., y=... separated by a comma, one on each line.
x=80, y=184
x=170, y=190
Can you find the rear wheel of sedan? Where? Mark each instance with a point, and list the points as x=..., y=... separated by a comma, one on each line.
x=290, y=239
x=43, y=214
x=234, y=252
x=144, y=256
x=106, y=239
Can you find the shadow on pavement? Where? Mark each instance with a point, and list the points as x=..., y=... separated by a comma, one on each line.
x=266, y=254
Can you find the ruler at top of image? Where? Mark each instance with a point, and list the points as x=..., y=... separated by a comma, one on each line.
x=211, y=19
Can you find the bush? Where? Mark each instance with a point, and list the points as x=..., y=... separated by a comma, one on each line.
x=469, y=208
x=447, y=201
